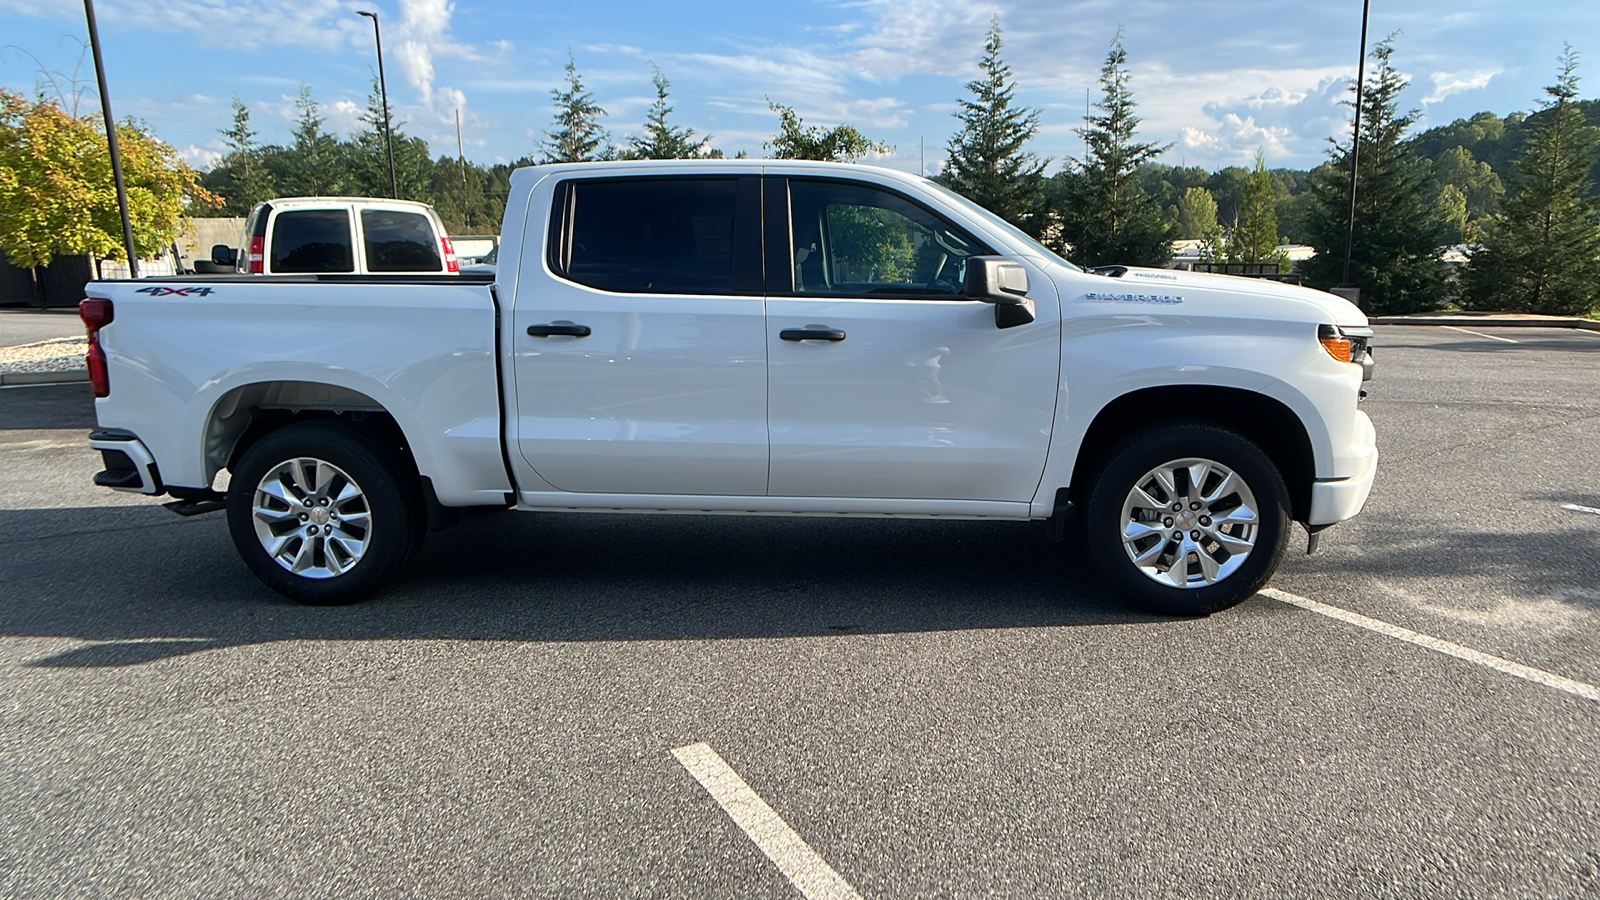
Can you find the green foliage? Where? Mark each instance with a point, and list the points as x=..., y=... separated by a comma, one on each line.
x=578, y=136
x=661, y=140
x=1197, y=221
x=57, y=193
x=239, y=178
x=314, y=168
x=1105, y=217
x=1395, y=253
x=987, y=162
x=870, y=245
x=1450, y=207
x=1542, y=254
x=461, y=193
x=797, y=140
x=1254, y=237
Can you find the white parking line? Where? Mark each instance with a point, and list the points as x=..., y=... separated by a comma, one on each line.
x=1583, y=509
x=1478, y=657
x=807, y=871
x=1481, y=334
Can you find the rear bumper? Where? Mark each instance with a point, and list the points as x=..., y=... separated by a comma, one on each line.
x=128, y=463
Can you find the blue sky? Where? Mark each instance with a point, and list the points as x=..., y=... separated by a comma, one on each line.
x=1217, y=78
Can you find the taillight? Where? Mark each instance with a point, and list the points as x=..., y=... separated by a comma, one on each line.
x=97, y=314
x=450, y=264
x=256, y=260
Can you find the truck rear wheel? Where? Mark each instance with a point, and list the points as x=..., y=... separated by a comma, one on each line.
x=1187, y=518
x=319, y=512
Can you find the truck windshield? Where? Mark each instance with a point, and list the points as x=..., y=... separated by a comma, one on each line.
x=1011, y=230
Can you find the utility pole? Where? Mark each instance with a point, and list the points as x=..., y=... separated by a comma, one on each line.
x=111, y=141
x=383, y=92
x=1346, y=288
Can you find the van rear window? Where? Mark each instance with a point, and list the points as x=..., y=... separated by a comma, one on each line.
x=399, y=242
x=312, y=240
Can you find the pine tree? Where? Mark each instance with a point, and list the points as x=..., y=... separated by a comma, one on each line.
x=1394, y=256
x=797, y=140
x=311, y=162
x=986, y=161
x=578, y=136
x=661, y=140
x=1105, y=217
x=367, y=155
x=240, y=178
x=1254, y=238
x=1542, y=254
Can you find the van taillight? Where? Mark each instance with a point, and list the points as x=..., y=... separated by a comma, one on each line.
x=450, y=264
x=258, y=246
x=97, y=314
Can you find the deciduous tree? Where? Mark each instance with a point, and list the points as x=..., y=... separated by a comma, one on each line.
x=797, y=140
x=57, y=195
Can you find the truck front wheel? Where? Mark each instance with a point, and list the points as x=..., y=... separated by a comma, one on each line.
x=319, y=512
x=1187, y=518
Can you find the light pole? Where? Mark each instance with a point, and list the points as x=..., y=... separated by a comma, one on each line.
x=1346, y=288
x=111, y=141
x=383, y=89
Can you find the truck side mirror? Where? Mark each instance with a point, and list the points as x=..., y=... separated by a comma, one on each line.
x=223, y=255
x=1003, y=282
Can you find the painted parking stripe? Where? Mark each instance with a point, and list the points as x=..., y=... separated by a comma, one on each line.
x=1481, y=334
x=1583, y=509
x=807, y=871
x=1477, y=657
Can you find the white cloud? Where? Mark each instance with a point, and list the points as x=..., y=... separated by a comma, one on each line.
x=1447, y=83
x=203, y=157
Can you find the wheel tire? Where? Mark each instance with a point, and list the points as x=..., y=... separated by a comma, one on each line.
x=339, y=481
x=1129, y=515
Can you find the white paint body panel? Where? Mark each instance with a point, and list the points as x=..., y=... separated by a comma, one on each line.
x=693, y=404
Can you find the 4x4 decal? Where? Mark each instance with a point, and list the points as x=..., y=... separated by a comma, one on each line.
x=176, y=292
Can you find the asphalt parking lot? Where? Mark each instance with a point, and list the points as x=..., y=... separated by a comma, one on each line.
x=924, y=709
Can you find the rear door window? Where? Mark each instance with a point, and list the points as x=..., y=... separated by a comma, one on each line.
x=399, y=241
x=312, y=240
x=662, y=235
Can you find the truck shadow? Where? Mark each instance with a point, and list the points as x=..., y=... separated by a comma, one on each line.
x=142, y=585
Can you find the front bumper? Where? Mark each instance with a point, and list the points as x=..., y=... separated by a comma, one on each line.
x=1336, y=499
x=128, y=463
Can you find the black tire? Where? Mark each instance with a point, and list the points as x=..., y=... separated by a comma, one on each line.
x=1112, y=511
x=393, y=517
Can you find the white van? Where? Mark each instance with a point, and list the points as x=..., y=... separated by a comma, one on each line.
x=346, y=235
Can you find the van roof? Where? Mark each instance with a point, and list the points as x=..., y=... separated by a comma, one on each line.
x=368, y=201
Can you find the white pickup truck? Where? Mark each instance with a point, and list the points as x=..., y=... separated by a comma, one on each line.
x=749, y=337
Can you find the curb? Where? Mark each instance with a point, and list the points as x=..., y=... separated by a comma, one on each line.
x=1490, y=321
x=14, y=379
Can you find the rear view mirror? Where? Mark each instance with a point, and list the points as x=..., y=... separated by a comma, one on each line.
x=1003, y=282
x=223, y=255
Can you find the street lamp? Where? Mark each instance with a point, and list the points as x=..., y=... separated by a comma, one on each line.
x=111, y=141
x=1347, y=288
x=383, y=88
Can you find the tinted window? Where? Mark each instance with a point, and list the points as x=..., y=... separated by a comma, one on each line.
x=643, y=235
x=312, y=240
x=399, y=242
x=859, y=239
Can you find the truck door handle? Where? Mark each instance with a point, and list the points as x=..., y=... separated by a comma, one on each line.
x=559, y=328
x=811, y=334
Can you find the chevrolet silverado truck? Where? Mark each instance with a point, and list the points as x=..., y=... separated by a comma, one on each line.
x=753, y=337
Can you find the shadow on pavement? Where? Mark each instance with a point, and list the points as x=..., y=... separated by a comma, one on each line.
x=144, y=585
x=50, y=406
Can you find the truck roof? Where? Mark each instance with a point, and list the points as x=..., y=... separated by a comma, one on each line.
x=720, y=166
